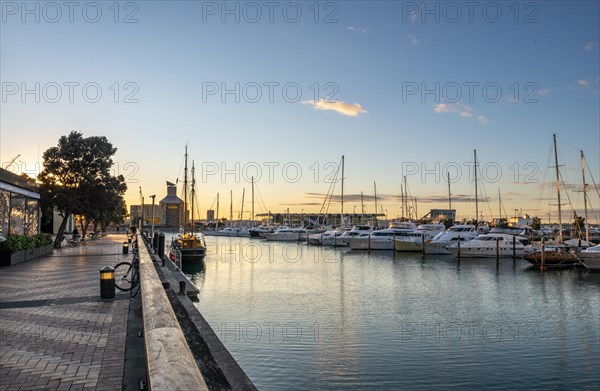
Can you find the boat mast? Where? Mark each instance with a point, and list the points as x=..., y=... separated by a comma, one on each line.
x=499, y=205
x=217, y=210
x=405, y=200
x=585, y=186
x=449, y=193
x=560, y=234
x=242, y=211
x=375, y=189
x=362, y=209
x=476, y=196
x=193, y=194
x=230, y=207
x=252, y=201
x=185, y=191
x=342, y=215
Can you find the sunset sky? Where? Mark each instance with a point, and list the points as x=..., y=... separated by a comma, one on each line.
x=281, y=90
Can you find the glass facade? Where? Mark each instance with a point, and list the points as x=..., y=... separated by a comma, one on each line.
x=19, y=213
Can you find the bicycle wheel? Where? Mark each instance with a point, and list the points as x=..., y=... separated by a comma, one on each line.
x=124, y=276
x=135, y=287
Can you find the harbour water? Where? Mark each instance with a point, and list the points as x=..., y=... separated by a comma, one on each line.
x=299, y=317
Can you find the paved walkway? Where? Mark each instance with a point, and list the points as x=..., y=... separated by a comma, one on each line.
x=55, y=331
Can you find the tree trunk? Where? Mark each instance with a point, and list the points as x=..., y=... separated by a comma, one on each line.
x=60, y=235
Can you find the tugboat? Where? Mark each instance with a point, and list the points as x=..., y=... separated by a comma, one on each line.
x=188, y=248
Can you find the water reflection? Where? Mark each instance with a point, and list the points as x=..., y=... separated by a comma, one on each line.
x=299, y=317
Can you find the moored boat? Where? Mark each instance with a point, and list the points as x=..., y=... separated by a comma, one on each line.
x=489, y=245
x=590, y=258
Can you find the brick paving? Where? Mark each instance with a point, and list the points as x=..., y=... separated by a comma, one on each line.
x=55, y=331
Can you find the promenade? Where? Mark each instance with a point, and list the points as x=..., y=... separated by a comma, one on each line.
x=55, y=331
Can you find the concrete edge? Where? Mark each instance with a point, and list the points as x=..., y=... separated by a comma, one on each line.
x=170, y=362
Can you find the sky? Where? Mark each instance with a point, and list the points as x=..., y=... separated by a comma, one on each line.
x=279, y=91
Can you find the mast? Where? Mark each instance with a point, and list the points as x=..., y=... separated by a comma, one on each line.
x=449, y=193
x=252, y=201
x=217, y=210
x=476, y=197
x=342, y=217
x=405, y=198
x=193, y=194
x=499, y=205
x=585, y=186
x=185, y=191
x=230, y=207
x=560, y=234
x=375, y=189
x=402, y=199
x=242, y=211
x=362, y=209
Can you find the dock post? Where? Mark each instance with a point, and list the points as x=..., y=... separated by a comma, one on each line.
x=423, y=244
x=369, y=242
x=394, y=245
x=514, y=247
x=497, y=251
x=458, y=245
x=543, y=256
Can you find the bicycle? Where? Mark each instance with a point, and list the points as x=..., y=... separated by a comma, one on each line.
x=127, y=275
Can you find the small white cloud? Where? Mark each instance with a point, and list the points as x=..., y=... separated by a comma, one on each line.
x=589, y=46
x=544, y=91
x=460, y=109
x=583, y=82
x=413, y=39
x=357, y=29
x=344, y=108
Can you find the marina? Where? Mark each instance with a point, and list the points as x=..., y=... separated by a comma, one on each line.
x=355, y=320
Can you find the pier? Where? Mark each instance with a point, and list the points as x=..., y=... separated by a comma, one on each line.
x=56, y=333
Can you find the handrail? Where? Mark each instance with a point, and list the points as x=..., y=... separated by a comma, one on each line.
x=171, y=365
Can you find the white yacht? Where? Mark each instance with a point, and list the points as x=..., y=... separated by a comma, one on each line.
x=287, y=234
x=257, y=232
x=229, y=231
x=413, y=241
x=484, y=246
x=331, y=237
x=590, y=257
x=382, y=239
x=355, y=231
x=438, y=244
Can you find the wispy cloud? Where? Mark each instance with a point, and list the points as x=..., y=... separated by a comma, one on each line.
x=583, y=82
x=357, y=29
x=414, y=40
x=397, y=198
x=460, y=109
x=344, y=108
x=544, y=91
x=589, y=47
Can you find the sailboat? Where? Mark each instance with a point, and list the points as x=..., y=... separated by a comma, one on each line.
x=557, y=255
x=189, y=247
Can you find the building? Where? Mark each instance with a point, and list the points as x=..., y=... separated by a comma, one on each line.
x=443, y=214
x=19, y=205
x=172, y=207
x=210, y=215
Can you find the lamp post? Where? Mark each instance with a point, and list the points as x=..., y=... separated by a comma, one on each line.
x=152, y=222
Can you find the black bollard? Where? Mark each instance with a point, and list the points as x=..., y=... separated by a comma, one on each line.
x=155, y=242
x=182, y=287
x=161, y=245
x=125, y=248
x=107, y=282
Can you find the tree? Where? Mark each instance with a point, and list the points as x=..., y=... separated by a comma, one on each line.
x=536, y=223
x=75, y=172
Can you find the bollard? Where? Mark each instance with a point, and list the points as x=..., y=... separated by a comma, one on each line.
x=107, y=282
x=182, y=287
x=125, y=248
x=423, y=244
x=543, y=257
x=458, y=249
x=155, y=242
x=514, y=246
x=161, y=245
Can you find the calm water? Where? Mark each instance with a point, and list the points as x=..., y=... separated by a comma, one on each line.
x=298, y=317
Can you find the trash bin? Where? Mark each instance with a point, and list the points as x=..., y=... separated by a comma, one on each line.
x=125, y=248
x=107, y=282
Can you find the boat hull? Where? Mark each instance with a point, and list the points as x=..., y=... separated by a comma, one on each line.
x=406, y=246
x=373, y=244
x=438, y=248
x=591, y=263
x=482, y=252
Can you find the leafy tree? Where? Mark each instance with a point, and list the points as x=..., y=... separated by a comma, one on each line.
x=536, y=223
x=76, y=178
